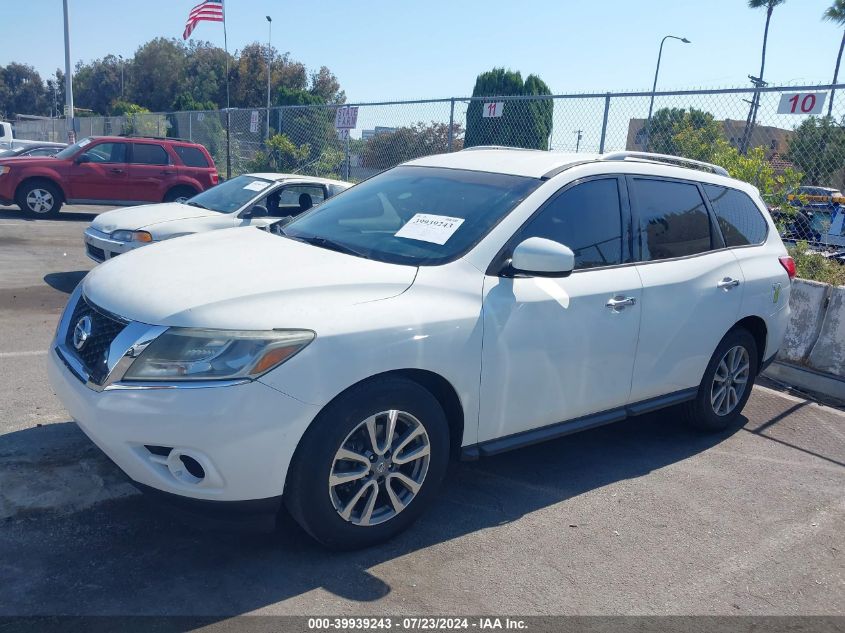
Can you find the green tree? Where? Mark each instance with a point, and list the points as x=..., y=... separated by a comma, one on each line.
x=836, y=13
x=21, y=90
x=311, y=126
x=326, y=86
x=156, y=74
x=690, y=133
x=755, y=168
x=282, y=155
x=96, y=85
x=407, y=143
x=818, y=148
x=522, y=124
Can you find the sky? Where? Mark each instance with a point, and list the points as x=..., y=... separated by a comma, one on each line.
x=385, y=50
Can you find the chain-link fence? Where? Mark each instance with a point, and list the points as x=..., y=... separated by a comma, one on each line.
x=788, y=141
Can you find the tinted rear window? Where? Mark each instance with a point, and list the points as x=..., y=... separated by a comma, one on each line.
x=738, y=216
x=673, y=219
x=191, y=156
x=149, y=154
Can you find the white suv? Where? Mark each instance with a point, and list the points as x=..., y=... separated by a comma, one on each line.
x=457, y=305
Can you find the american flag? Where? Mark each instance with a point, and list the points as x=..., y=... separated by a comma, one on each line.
x=209, y=10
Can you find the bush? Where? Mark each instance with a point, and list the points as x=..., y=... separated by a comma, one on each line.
x=813, y=266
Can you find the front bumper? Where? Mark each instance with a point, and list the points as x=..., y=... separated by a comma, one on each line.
x=100, y=247
x=216, y=441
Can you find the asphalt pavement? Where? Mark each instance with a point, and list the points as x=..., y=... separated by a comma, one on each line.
x=642, y=517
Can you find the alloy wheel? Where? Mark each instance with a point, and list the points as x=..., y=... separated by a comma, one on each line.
x=730, y=380
x=379, y=468
x=39, y=201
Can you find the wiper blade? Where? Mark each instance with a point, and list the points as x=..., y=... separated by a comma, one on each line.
x=191, y=203
x=327, y=243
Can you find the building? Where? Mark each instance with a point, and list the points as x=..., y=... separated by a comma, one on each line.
x=366, y=135
x=774, y=139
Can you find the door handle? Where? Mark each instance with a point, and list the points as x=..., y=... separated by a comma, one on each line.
x=727, y=283
x=116, y=171
x=619, y=302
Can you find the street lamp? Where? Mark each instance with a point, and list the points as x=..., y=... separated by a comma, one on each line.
x=269, y=61
x=654, y=86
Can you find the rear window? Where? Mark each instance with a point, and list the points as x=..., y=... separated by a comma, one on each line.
x=149, y=154
x=739, y=218
x=191, y=156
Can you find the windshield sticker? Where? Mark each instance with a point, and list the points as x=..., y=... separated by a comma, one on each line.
x=425, y=227
x=84, y=142
x=257, y=185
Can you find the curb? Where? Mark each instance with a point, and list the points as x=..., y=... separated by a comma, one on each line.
x=809, y=380
x=55, y=468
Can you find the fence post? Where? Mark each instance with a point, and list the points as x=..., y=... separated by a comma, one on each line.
x=604, y=123
x=190, y=126
x=280, y=119
x=348, y=157
x=451, y=123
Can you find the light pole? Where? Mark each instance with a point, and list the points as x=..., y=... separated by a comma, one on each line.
x=71, y=132
x=121, y=77
x=654, y=86
x=269, y=62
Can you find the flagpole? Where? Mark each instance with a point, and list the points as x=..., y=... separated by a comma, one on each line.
x=228, y=111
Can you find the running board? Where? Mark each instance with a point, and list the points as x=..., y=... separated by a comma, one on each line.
x=560, y=429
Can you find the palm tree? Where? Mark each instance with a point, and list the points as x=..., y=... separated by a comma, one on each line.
x=755, y=100
x=836, y=13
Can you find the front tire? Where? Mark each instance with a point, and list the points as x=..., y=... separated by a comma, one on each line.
x=726, y=385
x=369, y=464
x=40, y=198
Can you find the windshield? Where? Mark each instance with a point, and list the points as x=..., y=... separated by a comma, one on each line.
x=70, y=150
x=231, y=195
x=413, y=215
x=6, y=153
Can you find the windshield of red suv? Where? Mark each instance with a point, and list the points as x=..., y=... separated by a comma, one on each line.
x=413, y=215
x=231, y=195
x=70, y=150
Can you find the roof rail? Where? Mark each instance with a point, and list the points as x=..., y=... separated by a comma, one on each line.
x=156, y=138
x=475, y=147
x=667, y=159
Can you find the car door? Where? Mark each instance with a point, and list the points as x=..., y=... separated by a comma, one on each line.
x=151, y=172
x=557, y=349
x=692, y=285
x=100, y=172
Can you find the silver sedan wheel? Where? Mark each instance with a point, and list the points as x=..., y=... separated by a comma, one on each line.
x=379, y=468
x=39, y=201
x=730, y=380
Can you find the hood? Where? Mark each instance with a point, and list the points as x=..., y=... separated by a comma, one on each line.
x=29, y=161
x=239, y=278
x=134, y=218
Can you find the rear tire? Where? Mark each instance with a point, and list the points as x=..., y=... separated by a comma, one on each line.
x=180, y=194
x=726, y=385
x=345, y=489
x=40, y=198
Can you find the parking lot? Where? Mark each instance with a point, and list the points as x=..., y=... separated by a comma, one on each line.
x=643, y=517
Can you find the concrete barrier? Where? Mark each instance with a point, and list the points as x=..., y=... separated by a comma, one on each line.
x=808, y=302
x=828, y=353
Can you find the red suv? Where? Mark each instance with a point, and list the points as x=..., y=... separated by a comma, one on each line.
x=117, y=170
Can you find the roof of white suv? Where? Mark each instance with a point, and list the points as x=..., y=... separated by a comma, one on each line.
x=280, y=177
x=517, y=162
x=541, y=163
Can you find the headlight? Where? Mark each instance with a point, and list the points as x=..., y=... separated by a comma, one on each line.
x=4, y=169
x=132, y=236
x=194, y=354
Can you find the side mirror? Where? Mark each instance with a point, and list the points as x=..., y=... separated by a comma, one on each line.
x=539, y=257
x=257, y=211
x=84, y=158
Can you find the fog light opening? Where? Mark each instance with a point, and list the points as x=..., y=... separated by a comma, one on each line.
x=193, y=466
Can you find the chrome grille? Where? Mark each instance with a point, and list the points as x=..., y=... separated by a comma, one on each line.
x=94, y=352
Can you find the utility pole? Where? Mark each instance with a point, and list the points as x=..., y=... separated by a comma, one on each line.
x=578, y=136
x=751, y=121
x=121, y=76
x=269, y=70
x=71, y=131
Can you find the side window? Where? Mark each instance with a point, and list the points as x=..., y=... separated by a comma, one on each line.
x=738, y=216
x=149, y=154
x=191, y=156
x=107, y=153
x=673, y=219
x=588, y=219
x=295, y=199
